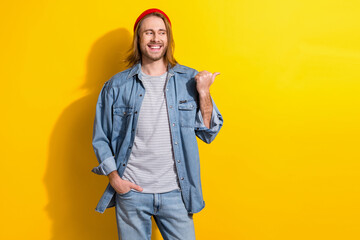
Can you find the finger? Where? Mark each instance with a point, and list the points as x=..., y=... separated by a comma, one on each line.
x=215, y=74
x=136, y=187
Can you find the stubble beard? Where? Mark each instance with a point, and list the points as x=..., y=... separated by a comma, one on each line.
x=152, y=57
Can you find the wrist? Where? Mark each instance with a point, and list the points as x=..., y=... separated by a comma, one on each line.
x=113, y=175
x=204, y=93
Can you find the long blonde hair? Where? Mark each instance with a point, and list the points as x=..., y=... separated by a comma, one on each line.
x=134, y=53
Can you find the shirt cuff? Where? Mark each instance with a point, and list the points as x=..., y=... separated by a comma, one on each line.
x=106, y=167
x=214, y=122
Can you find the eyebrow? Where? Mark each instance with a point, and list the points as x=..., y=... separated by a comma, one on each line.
x=153, y=30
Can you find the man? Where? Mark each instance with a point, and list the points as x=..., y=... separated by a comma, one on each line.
x=145, y=128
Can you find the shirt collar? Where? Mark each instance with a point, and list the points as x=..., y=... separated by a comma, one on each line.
x=136, y=69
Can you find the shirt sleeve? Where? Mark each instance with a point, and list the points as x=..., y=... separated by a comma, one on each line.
x=102, y=133
x=208, y=134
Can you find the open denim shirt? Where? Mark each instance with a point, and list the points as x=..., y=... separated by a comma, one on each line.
x=115, y=123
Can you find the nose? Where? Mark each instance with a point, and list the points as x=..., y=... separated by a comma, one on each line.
x=155, y=37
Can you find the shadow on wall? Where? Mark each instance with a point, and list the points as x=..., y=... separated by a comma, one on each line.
x=73, y=190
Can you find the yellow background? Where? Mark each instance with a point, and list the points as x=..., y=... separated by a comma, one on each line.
x=285, y=165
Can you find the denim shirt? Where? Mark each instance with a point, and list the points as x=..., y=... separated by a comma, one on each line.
x=116, y=117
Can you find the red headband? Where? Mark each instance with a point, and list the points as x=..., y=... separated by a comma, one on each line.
x=151, y=10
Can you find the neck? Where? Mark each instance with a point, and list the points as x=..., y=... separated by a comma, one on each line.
x=154, y=68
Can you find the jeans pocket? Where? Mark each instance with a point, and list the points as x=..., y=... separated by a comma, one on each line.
x=123, y=194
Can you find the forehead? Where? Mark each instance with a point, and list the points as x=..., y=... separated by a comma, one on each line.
x=152, y=22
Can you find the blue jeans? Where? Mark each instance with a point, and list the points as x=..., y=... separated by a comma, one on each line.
x=134, y=210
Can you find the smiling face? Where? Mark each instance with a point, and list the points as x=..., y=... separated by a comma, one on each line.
x=153, y=39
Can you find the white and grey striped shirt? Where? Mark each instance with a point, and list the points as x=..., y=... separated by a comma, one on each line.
x=151, y=164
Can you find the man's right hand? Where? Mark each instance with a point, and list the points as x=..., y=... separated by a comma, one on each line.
x=121, y=186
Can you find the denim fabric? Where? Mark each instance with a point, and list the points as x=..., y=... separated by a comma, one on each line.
x=115, y=123
x=135, y=209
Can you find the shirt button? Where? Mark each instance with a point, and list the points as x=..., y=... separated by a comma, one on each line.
x=175, y=143
x=140, y=95
x=167, y=89
x=178, y=161
x=135, y=112
x=170, y=106
x=182, y=178
x=173, y=124
x=123, y=164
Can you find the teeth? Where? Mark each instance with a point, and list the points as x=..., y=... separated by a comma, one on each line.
x=155, y=47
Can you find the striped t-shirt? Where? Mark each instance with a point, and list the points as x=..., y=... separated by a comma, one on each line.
x=151, y=164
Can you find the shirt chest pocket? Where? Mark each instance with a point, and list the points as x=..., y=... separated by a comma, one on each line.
x=121, y=118
x=187, y=113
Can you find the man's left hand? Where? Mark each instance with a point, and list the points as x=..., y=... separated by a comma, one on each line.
x=204, y=79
